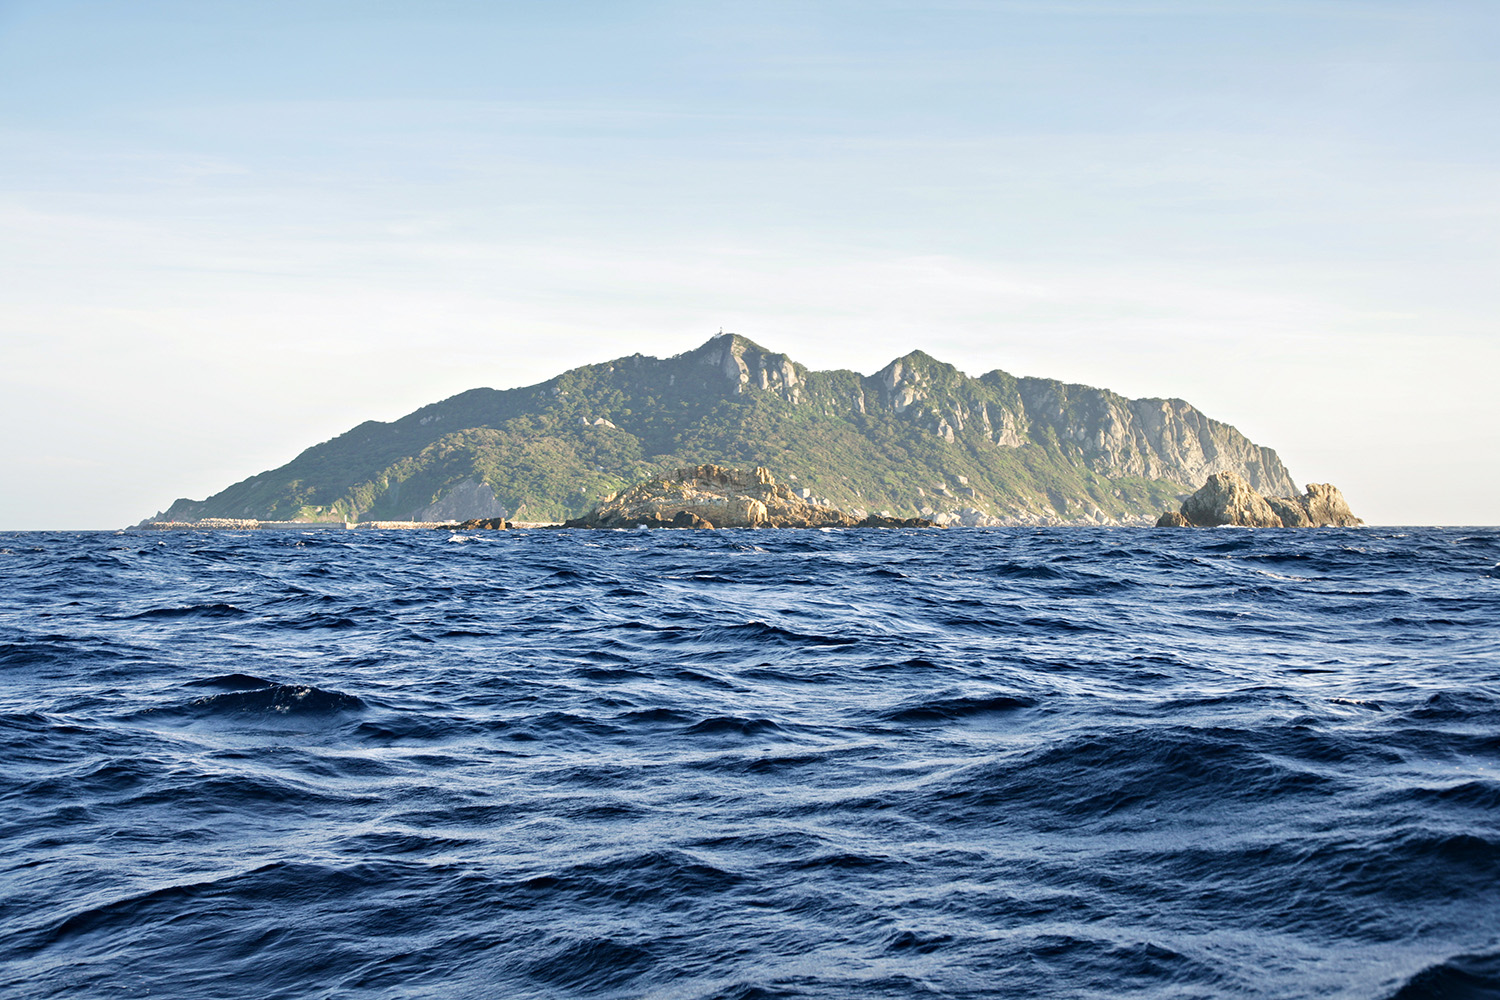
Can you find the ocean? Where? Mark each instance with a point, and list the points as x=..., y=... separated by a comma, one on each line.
x=1054, y=762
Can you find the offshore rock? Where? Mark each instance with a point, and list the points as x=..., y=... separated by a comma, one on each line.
x=1227, y=499
x=1290, y=511
x=709, y=496
x=882, y=521
x=1326, y=506
x=476, y=523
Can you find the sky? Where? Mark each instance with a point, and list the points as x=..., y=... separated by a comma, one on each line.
x=231, y=231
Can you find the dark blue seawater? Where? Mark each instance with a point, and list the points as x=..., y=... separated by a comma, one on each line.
x=739, y=764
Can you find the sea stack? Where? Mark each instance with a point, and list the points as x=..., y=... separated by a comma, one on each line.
x=1227, y=499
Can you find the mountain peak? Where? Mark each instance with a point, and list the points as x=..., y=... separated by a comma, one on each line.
x=917, y=366
x=744, y=362
x=722, y=341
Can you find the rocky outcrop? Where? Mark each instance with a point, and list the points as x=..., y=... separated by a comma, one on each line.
x=481, y=523
x=1227, y=499
x=1291, y=513
x=712, y=496
x=1325, y=505
x=745, y=364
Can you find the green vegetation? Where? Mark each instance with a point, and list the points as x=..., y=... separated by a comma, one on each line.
x=898, y=440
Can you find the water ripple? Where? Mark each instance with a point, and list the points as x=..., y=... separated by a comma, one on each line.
x=1015, y=762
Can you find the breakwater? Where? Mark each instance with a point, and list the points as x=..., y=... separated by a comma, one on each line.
x=236, y=524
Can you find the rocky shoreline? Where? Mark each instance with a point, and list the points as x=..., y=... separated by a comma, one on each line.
x=712, y=496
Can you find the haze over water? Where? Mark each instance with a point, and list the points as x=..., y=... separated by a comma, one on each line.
x=736, y=764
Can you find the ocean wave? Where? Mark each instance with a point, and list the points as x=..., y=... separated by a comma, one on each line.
x=953, y=708
x=215, y=610
x=1462, y=977
x=727, y=725
x=245, y=695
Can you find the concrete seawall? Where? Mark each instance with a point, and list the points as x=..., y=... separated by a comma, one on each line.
x=237, y=524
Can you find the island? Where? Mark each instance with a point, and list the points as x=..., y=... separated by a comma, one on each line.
x=918, y=438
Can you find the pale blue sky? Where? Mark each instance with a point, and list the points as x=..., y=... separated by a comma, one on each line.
x=229, y=231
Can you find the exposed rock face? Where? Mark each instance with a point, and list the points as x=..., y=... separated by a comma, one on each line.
x=462, y=501
x=1325, y=505
x=711, y=496
x=1292, y=513
x=1152, y=438
x=1226, y=498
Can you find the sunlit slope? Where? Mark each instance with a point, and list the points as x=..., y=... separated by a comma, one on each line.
x=904, y=439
